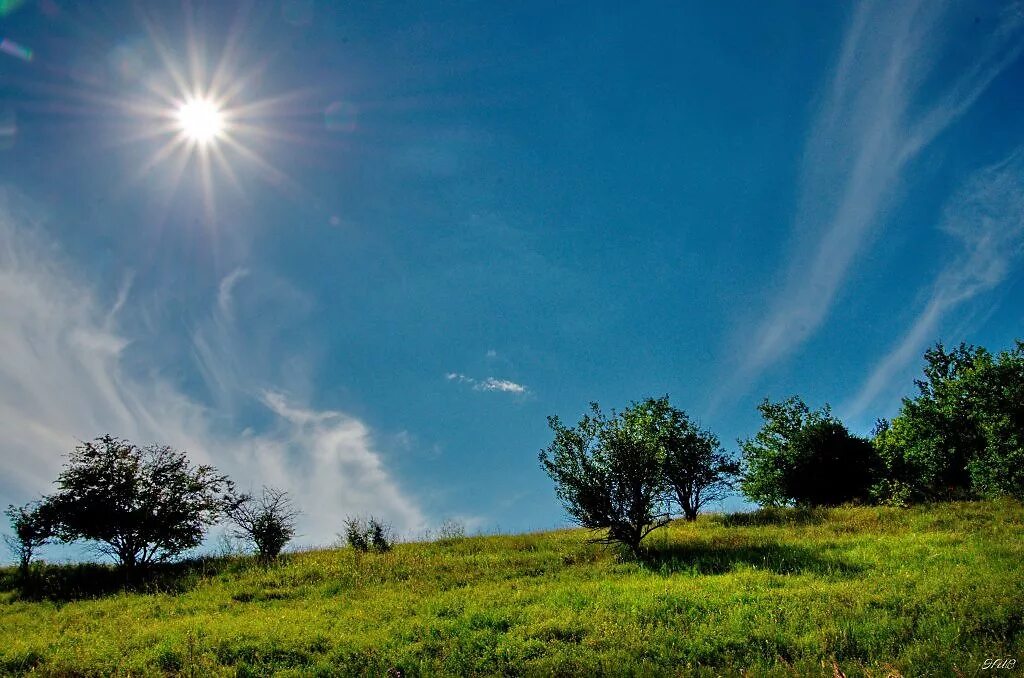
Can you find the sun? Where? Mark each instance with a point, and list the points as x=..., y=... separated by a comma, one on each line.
x=200, y=120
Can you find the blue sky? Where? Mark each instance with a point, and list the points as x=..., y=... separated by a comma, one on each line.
x=431, y=225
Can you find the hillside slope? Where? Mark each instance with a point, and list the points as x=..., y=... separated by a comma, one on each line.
x=923, y=591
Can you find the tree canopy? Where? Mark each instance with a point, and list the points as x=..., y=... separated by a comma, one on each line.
x=139, y=505
x=806, y=457
x=608, y=472
x=962, y=435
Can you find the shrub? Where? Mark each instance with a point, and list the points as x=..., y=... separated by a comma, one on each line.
x=450, y=530
x=806, y=458
x=368, y=535
x=268, y=523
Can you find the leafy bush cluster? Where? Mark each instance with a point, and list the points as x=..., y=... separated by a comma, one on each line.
x=962, y=435
x=806, y=458
x=368, y=534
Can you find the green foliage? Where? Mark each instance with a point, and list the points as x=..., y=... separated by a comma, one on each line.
x=267, y=523
x=696, y=467
x=807, y=458
x=962, y=436
x=370, y=534
x=925, y=591
x=608, y=472
x=140, y=505
x=33, y=527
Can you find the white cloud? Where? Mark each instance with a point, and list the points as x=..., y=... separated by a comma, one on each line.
x=488, y=384
x=63, y=378
x=872, y=123
x=227, y=286
x=492, y=384
x=987, y=217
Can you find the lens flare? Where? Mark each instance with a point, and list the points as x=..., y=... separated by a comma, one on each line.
x=200, y=120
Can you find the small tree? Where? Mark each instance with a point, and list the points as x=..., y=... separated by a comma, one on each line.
x=33, y=527
x=697, y=468
x=369, y=535
x=608, y=472
x=268, y=523
x=807, y=458
x=355, y=534
x=765, y=456
x=829, y=466
x=141, y=505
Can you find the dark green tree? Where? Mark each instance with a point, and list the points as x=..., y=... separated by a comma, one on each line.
x=766, y=456
x=33, y=527
x=962, y=435
x=608, y=472
x=139, y=505
x=806, y=458
x=828, y=466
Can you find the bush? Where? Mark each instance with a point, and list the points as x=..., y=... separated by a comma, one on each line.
x=268, y=523
x=806, y=458
x=368, y=535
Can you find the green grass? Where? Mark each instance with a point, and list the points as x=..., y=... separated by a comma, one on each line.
x=923, y=591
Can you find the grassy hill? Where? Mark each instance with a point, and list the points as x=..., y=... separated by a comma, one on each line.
x=871, y=591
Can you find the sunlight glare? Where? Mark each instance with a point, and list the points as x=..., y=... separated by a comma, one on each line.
x=200, y=120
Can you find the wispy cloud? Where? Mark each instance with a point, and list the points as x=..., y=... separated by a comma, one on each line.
x=987, y=218
x=875, y=118
x=488, y=384
x=64, y=377
x=227, y=287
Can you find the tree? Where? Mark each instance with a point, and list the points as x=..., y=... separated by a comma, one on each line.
x=962, y=435
x=766, y=455
x=608, y=472
x=141, y=505
x=806, y=457
x=33, y=527
x=829, y=466
x=696, y=467
x=268, y=523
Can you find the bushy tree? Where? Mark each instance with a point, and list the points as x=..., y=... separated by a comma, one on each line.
x=140, y=505
x=766, y=455
x=33, y=527
x=962, y=435
x=806, y=458
x=608, y=472
x=696, y=467
x=829, y=466
x=268, y=522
